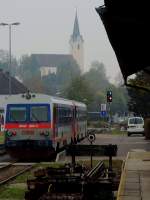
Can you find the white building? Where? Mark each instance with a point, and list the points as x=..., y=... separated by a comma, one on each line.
x=46, y=70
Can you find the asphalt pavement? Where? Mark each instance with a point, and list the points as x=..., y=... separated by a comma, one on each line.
x=125, y=143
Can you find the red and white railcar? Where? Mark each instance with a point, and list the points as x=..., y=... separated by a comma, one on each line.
x=37, y=125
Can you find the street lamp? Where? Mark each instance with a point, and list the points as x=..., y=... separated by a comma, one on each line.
x=9, y=25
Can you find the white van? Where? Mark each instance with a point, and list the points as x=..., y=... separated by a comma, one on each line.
x=135, y=125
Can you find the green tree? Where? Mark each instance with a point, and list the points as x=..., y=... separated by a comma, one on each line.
x=79, y=90
x=67, y=71
x=139, y=101
x=28, y=67
x=98, y=81
x=4, y=62
x=35, y=84
x=96, y=76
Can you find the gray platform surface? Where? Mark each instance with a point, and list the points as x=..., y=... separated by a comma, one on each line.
x=135, y=179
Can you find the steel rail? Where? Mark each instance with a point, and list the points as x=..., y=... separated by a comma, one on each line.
x=99, y=168
x=7, y=166
x=15, y=175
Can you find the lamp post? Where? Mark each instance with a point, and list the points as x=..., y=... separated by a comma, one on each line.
x=9, y=25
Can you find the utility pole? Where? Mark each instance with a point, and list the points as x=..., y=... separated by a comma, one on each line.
x=9, y=26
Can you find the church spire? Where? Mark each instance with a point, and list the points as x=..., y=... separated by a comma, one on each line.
x=77, y=45
x=76, y=30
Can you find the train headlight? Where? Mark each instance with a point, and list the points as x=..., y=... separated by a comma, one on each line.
x=46, y=133
x=9, y=134
x=14, y=133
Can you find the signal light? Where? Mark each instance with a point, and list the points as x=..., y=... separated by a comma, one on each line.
x=109, y=96
x=11, y=133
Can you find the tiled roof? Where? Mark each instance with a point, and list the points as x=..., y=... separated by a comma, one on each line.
x=16, y=86
x=52, y=60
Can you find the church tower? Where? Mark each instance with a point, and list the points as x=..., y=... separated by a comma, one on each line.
x=76, y=45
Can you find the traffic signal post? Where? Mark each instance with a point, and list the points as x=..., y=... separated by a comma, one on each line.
x=109, y=101
x=109, y=96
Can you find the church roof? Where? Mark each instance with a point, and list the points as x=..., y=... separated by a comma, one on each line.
x=52, y=60
x=16, y=86
x=76, y=30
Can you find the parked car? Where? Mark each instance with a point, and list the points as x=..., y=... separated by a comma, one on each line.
x=135, y=125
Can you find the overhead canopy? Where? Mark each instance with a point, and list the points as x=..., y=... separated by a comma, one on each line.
x=127, y=23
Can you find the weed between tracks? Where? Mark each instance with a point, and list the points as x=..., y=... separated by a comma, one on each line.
x=15, y=190
x=12, y=192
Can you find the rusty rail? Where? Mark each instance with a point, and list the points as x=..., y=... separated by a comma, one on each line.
x=18, y=172
x=97, y=171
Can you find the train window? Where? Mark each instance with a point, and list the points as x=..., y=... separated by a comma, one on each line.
x=39, y=114
x=17, y=114
x=81, y=115
x=65, y=115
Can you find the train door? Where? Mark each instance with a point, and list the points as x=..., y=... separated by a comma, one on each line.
x=55, y=121
x=81, y=123
x=1, y=120
x=75, y=124
x=2, y=137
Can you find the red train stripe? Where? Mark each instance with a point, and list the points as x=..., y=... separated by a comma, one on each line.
x=28, y=126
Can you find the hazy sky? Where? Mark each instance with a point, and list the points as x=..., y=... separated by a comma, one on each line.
x=46, y=26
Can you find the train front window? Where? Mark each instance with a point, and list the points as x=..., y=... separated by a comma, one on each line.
x=39, y=114
x=17, y=114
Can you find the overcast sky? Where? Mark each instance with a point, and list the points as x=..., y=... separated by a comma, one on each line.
x=46, y=26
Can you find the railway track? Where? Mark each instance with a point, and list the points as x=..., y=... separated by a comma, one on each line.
x=12, y=170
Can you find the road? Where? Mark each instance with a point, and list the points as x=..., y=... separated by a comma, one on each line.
x=125, y=143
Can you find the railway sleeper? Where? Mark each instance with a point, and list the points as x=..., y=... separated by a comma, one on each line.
x=63, y=183
x=88, y=190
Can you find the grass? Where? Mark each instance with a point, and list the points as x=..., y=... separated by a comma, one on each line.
x=17, y=188
x=51, y=164
x=30, y=174
x=24, y=177
x=118, y=132
x=12, y=192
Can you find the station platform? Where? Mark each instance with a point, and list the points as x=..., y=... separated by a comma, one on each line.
x=135, y=179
